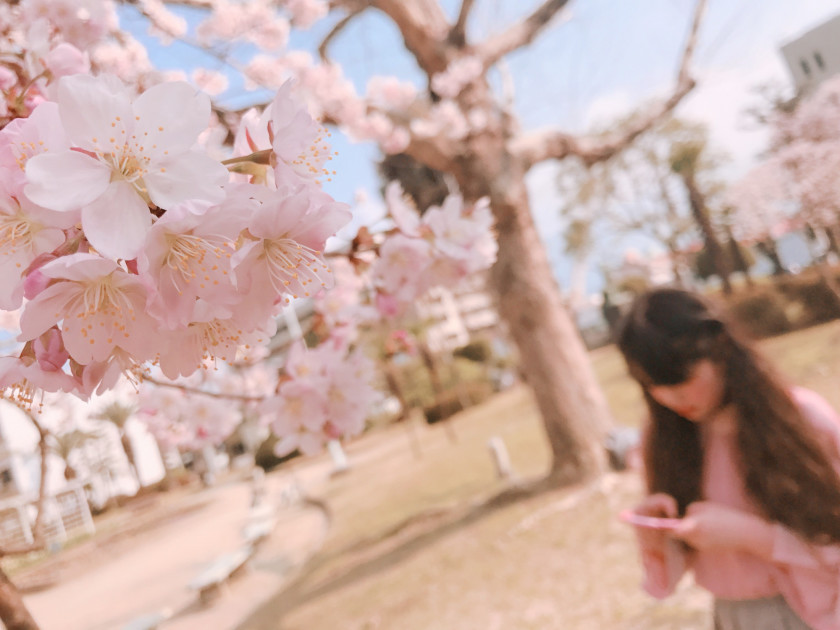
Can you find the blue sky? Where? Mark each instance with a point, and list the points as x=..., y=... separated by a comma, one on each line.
x=600, y=60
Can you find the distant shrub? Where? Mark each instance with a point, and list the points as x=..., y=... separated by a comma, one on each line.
x=811, y=292
x=763, y=313
x=456, y=399
x=787, y=303
x=476, y=351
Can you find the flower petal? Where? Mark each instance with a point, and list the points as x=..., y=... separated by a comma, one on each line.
x=116, y=224
x=65, y=181
x=193, y=175
x=92, y=108
x=173, y=114
x=42, y=313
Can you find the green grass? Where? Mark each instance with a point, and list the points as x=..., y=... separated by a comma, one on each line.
x=529, y=564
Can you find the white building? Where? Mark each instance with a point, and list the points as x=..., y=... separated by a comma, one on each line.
x=100, y=462
x=815, y=55
x=455, y=314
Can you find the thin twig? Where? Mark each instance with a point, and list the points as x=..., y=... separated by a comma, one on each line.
x=340, y=25
x=458, y=34
x=203, y=392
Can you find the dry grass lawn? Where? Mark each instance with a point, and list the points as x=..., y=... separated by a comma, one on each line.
x=415, y=545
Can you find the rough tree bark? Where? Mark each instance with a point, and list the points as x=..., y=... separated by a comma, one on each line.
x=13, y=611
x=574, y=411
x=494, y=163
x=717, y=254
x=768, y=248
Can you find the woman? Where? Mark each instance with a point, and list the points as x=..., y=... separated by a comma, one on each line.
x=748, y=464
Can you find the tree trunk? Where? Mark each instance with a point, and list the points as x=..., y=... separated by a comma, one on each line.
x=552, y=354
x=701, y=217
x=831, y=235
x=829, y=280
x=675, y=254
x=394, y=387
x=430, y=362
x=13, y=612
x=769, y=249
x=129, y=454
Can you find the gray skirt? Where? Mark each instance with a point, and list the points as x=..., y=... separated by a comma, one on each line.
x=769, y=613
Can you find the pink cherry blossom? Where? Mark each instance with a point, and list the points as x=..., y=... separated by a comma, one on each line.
x=400, y=268
x=458, y=74
x=284, y=251
x=80, y=22
x=298, y=141
x=341, y=306
x=64, y=60
x=387, y=305
x=390, y=93
x=26, y=232
x=265, y=71
x=184, y=421
x=34, y=281
x=306, y=12
x=23, y=382
x=24, y=138
x=208, y=421
x=328, y=396
x=50, y=352
x=98, y=377
x=758, y=201
x=130, y=154
x=297, y=415
x=255, y=21
x=187, y=256
x=8, y=79
x=212, y=83
x=184, y=351
x=402, y=211
x=99, y=308
x=163, y=21
x=465, y=236
x=444, y=118
x=127, y=60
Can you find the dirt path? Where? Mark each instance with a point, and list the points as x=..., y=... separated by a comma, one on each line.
x=151, y=571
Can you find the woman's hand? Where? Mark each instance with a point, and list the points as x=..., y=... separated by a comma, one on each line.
x=660, y=505
x=709, y=525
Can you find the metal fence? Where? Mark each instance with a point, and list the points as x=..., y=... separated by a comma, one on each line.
x=66, y=514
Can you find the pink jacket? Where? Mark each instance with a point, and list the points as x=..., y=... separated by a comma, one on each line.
x=807, y=575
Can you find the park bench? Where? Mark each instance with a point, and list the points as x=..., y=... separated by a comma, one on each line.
x=151, y=621
x=291, y=495
x=255, y=532
x=209, y=581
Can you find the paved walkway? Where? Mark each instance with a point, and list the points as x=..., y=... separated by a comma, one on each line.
x=153, y=571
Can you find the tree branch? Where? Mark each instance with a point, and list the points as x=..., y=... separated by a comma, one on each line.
x=458, y=33
x=423, y=26
x=520, y=34
x=196, y=390
x=340, y=25
x=43, y=447
x=548, y=144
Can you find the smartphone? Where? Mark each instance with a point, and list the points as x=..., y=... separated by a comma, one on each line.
x=652, y=522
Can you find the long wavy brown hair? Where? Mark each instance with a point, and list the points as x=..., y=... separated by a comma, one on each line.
x=787, y=471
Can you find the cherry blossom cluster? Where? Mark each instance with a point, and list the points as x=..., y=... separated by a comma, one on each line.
x=186, y=421
x=327, y=394
x=806, y=150
x=132, y=245
x=441, y=247
x=130, y=237
x=760, y=201
x=44, y=40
